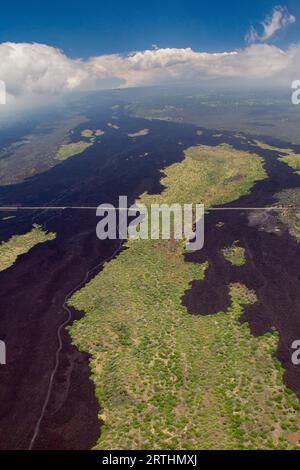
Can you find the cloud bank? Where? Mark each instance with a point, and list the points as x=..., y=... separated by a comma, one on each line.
x=31, y=69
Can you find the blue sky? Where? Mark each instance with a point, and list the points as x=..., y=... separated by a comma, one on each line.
x=138, y=43
x=91, y=27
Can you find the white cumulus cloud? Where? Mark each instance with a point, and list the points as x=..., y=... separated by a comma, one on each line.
x=38, y=70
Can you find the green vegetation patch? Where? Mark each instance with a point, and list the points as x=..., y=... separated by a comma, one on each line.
x=139, y=133
x=166, y=379
x=288, y=200
x=66, y=151
x=19, y=244
x=290, y=158
x=265, y=146
x=210, y=175
x=91, y=134
x=235, y=254
x=87, y=133
x=37, y=150
x=289, y=213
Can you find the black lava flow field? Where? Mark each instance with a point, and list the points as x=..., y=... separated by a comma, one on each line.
x=34, y=289
x=272, y=267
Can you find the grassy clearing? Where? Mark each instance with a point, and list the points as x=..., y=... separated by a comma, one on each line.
x=19, y=244
x=166, y=379
x=235, y=254
x=66, y=151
